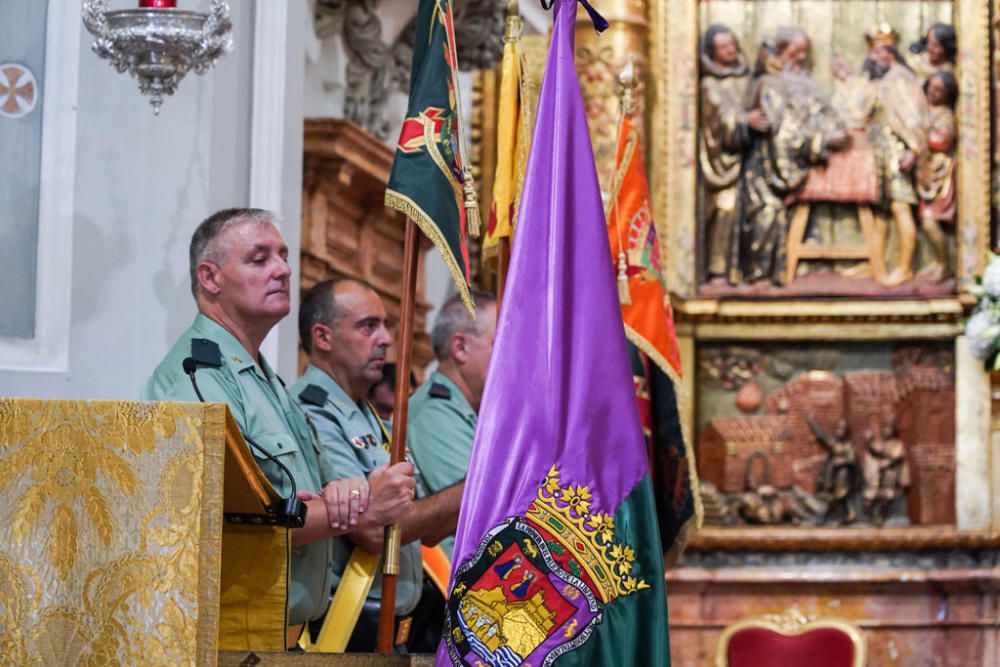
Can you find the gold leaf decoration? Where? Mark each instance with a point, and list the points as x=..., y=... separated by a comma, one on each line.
x=100, y=514
x=62, y=544
x=13, y=421
x=14, y=465
x=119, y=471
x=18, y=595
x=27, y=511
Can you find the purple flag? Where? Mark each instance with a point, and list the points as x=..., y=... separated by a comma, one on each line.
x=557, y=552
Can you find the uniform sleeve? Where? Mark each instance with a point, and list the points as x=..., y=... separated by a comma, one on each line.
x=440, y=440
x=327, y=469
x=336, y=457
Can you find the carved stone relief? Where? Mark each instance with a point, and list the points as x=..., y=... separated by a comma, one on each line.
x=377, y=44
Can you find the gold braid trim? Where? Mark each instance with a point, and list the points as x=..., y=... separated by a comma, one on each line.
x=619, y=178
x=650, y=351
x=409, y=208
x=692, y=525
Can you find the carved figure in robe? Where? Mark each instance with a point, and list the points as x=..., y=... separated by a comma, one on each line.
x=804, y=129
x=899, y=131
x=840, y=473
x=886, y=473
x=723, y=139
x=935, y=51
x=936, y=173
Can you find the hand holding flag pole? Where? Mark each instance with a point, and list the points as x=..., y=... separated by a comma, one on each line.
x=400, y=405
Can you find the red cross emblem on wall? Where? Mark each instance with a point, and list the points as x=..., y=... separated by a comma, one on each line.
x=18, y=90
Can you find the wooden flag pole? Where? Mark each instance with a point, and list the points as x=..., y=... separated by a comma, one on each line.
x=503, y=264
x=393, y=533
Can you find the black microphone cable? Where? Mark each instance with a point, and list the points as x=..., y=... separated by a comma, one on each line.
x=291, y=509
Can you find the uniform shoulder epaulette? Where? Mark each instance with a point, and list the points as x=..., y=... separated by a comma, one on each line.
x=206, y=352
x=314, y=395
x=439, y=390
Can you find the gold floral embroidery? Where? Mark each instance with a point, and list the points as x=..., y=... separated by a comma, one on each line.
x=111, y=554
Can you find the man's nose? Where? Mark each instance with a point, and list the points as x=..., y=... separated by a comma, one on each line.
x=283, y=271
x=384, y=336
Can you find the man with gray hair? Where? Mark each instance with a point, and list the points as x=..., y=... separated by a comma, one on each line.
x=241, y=282
x=443, y=411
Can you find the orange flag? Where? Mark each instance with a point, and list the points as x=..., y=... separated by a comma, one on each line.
x=649, y=325
x=646, y=310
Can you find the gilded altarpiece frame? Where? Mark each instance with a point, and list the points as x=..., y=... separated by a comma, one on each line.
x=673, y=113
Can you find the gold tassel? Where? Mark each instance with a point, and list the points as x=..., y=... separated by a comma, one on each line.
x=472, y=218
x=623, y=293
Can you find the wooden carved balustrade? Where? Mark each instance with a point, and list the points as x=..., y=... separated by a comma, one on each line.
x=346, y=229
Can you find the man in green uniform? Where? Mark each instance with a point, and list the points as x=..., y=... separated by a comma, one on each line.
x=342, y=324
x=240, y=280
x=442, y=412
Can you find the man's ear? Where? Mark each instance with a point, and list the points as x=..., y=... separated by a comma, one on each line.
x=458, y=346
x=322, y=337
x=208, y=277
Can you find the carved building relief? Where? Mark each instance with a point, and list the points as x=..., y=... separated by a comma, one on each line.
x=826, y=440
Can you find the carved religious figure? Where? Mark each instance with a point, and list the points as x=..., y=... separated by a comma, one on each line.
x=935, y=51
x=763, y=504
x=899, y=130
x=840, y=473
x=936, y=173
x=781, y=153
x=723, y=138
x=886, y=472
x=804, y=129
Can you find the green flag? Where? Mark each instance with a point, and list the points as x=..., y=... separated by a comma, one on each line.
x=429, y=182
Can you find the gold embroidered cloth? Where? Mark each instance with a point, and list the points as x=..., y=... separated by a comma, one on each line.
x=110, y=532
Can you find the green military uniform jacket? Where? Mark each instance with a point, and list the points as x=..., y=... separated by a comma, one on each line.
x=439, y=433
x=351, y=436
x=265, y=413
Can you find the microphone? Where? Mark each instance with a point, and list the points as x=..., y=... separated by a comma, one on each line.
x=289, y=512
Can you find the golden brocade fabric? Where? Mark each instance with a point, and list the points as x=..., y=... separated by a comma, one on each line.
x=111, y=532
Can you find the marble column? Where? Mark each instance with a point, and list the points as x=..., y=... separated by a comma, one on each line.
x=977, y=444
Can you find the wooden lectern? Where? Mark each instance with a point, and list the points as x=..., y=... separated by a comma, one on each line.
x=114, y=542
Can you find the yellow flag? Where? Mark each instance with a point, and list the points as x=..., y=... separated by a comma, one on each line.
x=512, y=140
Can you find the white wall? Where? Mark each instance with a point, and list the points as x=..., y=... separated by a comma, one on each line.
x=142, y=185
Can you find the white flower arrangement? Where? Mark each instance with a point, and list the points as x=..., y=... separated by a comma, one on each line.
x=983, y=327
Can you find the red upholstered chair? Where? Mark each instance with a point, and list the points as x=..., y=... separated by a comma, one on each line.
x=791, y=640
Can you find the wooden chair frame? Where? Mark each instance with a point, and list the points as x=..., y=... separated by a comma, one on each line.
x=790, y=624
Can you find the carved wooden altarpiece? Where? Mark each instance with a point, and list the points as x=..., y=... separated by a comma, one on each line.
x=760, y=362
x=346, y=229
